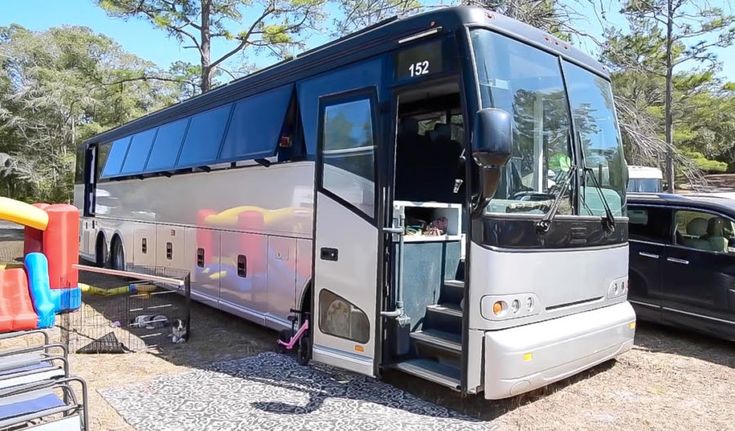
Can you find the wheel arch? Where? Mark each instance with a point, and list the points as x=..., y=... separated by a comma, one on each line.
x=305, y=295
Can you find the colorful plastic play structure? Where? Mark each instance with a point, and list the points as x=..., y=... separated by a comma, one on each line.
x=47, y=283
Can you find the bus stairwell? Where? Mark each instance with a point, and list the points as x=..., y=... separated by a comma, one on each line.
x=426, y=335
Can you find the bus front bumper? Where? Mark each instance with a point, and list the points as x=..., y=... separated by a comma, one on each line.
x=527, y=357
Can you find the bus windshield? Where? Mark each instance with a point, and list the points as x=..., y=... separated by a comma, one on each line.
x=529, y=83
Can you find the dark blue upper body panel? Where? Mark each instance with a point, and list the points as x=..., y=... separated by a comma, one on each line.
x=370, y=42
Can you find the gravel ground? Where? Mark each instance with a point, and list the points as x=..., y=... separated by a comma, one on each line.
x=671, y=380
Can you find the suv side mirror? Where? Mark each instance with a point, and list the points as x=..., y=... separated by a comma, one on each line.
x=731, y=245
x=492, y=143
x=492, y=137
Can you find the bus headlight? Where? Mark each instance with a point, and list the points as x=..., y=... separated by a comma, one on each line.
x=515, y=306
x=618, y=288
x=508, y=306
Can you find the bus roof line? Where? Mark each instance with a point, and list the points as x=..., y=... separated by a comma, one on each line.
x=354, y=47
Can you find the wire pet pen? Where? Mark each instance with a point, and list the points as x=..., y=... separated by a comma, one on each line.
x=144, y=312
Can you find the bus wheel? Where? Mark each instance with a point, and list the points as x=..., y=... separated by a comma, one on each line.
x=302, y=357
x=117, y=257
x=100, y=252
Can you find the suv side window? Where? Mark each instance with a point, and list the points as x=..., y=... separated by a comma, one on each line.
x=650, y=224
x=703, y=231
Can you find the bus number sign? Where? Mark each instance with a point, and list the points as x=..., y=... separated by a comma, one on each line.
x=420, y=68
x=419, y=61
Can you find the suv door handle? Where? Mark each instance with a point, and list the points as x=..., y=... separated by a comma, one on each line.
x=675, y=260
x=651, y=255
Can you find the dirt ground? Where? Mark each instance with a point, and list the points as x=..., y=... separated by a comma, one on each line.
x=671, y=380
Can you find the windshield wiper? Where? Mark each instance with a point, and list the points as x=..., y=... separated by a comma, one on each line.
x=608, y=222
x=543, y=225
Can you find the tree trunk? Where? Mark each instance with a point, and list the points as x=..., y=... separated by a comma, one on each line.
x=670, y=174
x=205, y=47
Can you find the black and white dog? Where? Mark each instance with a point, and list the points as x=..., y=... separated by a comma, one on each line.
x=179, y=333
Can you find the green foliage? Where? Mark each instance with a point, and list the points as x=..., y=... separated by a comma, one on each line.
x=687, y=30
x=705, y=164
x=552, y=16
x=357, y=14
x=702, y=106
x=270, y=25
x=57, y=88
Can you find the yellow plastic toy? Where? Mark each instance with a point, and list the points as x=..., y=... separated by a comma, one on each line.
x=122, y=290
x=23, y=213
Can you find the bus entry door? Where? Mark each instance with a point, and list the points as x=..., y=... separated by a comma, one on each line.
x=346, y=237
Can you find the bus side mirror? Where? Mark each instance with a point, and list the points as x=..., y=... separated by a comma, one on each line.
x=492, y=142
x=492, y=137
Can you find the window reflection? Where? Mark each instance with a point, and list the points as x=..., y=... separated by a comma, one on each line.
x=140, y=146
x=597, y=132
x=115, y=157
x=204, y=137
x=166, y=147
x=348, y=153
x=527, y=83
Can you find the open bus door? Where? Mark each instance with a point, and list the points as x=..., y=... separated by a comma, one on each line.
x=347, y=233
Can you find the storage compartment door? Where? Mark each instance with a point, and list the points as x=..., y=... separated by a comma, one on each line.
x=170, y=252
x=281, y=278
x=203, y=255
x=244, y=275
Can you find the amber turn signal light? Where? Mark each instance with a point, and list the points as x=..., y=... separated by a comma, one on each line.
x=498, y=308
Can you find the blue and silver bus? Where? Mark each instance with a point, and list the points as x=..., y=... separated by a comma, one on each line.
x=444, y=195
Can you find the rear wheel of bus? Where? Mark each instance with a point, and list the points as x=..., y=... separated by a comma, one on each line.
x=117, y=255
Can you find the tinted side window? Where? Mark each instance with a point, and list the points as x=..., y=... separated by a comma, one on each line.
x=650, y=224
x=116, y=156
x=140, y=146
x=204, y=137
x=255, y=125
x=166, y=147
x=703, y=231
x=348, y=153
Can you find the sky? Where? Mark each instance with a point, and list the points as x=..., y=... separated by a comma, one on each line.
x=141, y=38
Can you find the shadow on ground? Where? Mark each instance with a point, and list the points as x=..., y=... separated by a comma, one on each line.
x=665, y=339
x=218, y=336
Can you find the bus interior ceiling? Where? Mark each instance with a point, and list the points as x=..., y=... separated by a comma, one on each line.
x=430, y=194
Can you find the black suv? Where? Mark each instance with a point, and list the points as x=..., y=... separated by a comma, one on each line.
x=682, y=261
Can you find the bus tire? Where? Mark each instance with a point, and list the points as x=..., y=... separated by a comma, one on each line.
x=117, y=255
x=100, y=252
x=304, y=353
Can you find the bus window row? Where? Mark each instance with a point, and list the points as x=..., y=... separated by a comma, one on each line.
x=247, y=129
